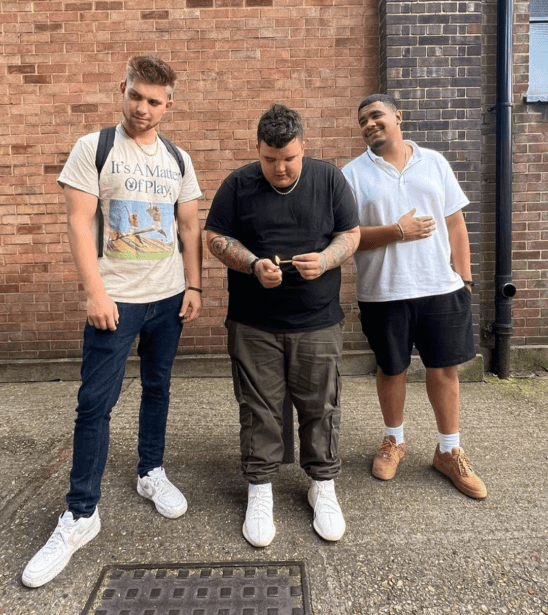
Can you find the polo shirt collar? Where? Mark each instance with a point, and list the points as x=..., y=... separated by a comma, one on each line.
x=415, y=156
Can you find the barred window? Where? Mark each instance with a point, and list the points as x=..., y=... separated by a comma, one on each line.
x=538, y=52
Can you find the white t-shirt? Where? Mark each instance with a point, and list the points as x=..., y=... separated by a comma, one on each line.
x=405, y=270
x=137, y=192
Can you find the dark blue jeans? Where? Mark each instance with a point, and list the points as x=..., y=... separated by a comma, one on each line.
x=104, y=357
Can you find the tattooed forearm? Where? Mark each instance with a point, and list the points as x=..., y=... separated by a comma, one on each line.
x=341, y=248
x=230, y=252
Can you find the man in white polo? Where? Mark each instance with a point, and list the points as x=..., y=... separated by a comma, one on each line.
x=414, y=283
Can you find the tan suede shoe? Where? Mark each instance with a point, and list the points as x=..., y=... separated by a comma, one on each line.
x=388, y=458
x=458, y=468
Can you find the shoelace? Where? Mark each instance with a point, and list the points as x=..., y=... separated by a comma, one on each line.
x=59, y=536
x=160, y=482
x=261, y=506
x=465, y=465
x=327, y=500
x=388, y=447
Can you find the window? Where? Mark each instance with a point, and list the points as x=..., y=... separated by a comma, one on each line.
x=538, y=52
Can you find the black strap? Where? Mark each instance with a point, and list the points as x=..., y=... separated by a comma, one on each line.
x=174, y=151
x=106, y=143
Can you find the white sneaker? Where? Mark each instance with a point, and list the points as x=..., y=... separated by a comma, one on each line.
x=68, y=537
x=155, y=486
x=328, y=518
x=259, y=529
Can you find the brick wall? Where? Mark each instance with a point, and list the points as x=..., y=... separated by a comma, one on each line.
x=530, y=190
x=431, y=63
x=530, y=218
x=60, y=69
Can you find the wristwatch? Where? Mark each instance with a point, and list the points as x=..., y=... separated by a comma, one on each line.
x=252, y=266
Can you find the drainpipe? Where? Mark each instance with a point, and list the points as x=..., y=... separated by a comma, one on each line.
x=504, y=289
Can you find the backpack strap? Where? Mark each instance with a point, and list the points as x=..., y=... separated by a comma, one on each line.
x=174, y=151
x=106, y=142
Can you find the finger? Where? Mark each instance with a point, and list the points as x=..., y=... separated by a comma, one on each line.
x=100, y=323
x=268, y=265
x=304, y=258
x=190, y=315
x=272, y=274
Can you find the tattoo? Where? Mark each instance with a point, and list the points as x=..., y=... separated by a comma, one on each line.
x=231, y=253
x=324, y=265
x=340, y=249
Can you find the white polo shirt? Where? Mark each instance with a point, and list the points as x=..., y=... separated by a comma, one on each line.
x=405, y=270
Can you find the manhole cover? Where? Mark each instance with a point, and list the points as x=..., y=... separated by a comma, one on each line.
x=265, y=588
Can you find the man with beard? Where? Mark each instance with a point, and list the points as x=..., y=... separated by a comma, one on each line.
x=414, y=283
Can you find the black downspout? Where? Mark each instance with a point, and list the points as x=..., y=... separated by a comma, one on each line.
x=504, y=289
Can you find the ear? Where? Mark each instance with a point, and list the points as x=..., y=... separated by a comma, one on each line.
x=169, y=104
x=123, y=86
x=258, y=146
x=399, y=116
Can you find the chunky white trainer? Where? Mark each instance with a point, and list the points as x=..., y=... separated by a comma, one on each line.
x=259, y=529
x=156, y=486
x=328, y=518
x=68, y=537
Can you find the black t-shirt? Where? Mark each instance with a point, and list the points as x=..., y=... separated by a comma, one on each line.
x=267, y=223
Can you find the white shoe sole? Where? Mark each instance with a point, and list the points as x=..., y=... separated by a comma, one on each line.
x=35, y=580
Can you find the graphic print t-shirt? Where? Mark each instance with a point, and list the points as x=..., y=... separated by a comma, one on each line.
x=141, y=261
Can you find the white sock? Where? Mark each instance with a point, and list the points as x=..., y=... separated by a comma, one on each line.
x=396, y=432
x=448, y=441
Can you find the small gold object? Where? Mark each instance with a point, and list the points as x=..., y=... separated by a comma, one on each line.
x=280, y=262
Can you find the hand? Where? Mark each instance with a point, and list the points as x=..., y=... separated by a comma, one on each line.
x=268, y=274
x=311, y=265
x=419, y=227
x=191, y=307
x=102, y=312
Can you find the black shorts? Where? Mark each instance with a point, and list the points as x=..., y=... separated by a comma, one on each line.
x=440, y=327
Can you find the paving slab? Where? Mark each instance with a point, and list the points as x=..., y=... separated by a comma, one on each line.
x=414, y=545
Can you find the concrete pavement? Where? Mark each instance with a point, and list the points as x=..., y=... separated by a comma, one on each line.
x=414, y=545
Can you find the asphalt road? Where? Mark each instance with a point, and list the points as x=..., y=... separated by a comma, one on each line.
x=414, y=545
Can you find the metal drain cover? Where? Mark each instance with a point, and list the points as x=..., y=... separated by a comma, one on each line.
x=265, y=588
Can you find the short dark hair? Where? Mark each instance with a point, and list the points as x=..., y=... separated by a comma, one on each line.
x=152, y=70
x=279, y=126
x=383, y=98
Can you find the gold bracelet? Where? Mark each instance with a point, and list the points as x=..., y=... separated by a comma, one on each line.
x=401, y=231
